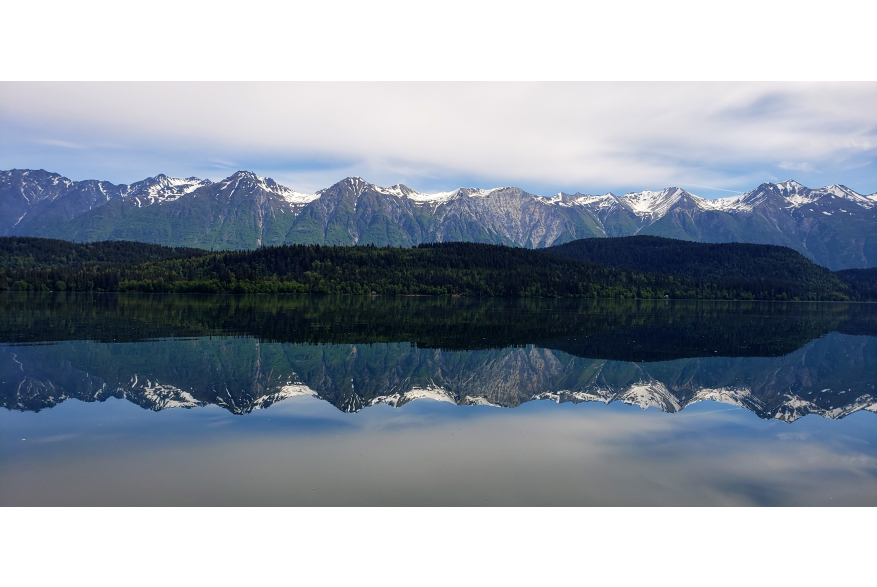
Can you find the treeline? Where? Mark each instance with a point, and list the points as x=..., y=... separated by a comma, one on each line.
x=862, y=282
x=21, y=253
x=465, y=269
x=730, y=266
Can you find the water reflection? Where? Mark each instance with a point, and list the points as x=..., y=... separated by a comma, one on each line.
x=779, y=361
x=305, y=452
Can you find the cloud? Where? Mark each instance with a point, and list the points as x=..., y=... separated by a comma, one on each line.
x=570, y=136
x=57, y=143
x=793, y=166
x=858, y=165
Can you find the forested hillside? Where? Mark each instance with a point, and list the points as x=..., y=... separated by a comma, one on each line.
x=42, y=253
x=862, y=282
x=640, y=268
x=730, y=265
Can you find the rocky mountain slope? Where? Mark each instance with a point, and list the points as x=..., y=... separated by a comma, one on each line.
x=833, y=226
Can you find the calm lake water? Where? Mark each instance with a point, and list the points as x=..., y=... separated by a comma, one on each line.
x=303, y=400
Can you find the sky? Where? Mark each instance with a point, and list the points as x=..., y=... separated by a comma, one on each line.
x=713, y=139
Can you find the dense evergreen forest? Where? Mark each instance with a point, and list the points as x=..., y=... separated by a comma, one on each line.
x=862, y=282
x=722, y=263
x=638, y=267
x=729, y=265
x=43, y=253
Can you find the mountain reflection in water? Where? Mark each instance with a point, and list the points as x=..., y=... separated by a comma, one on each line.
x=777, y=360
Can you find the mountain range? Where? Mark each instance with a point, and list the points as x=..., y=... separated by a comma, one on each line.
x=833, y=226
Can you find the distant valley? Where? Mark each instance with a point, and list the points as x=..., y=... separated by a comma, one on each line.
x=832, y=226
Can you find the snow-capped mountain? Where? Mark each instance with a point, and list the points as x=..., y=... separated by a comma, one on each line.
x=161, y=189
x=652, y=206
x=833, y=226
x=34, y=201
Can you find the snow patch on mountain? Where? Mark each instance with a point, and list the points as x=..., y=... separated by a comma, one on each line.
x=793, y=195
x=653, y=204
x=393, y=399
x=729, y=204
x=791, y=186
x=295, y=389
x=298, y=198
x=843, y=192
x=592, y=394
x=598, y=202
x=399, y=190
x=650, y=394
x=402, y=191
x=431, y=391
x=443, y=197
x=357, y=184
x=734, y=396
x=470, y=400
x=162, y=397
x=435, y=199
x=248, y=179
x=161, y=189
x=480, y=193
x=285, y=392
x=291, y=196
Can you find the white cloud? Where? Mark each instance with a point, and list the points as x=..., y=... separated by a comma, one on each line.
x=575, y=135
x=793, y=166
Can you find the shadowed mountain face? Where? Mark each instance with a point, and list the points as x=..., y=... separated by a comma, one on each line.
x=39, y=202
x=246, y=352
x=833, y=226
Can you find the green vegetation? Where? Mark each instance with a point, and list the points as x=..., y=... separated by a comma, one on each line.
x=750, y=269
x=638, y=267
x=862, y=282
x=17, y=254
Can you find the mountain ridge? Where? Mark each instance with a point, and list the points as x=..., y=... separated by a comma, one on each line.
x=833, y=226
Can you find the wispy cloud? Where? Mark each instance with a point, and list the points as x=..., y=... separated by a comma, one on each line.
x=798, y=166
x=220, y=164
x=858, y=165
x=59, y=143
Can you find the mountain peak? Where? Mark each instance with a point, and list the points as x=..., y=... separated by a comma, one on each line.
x=649, y=204
x=401, y=189
x=791, y=185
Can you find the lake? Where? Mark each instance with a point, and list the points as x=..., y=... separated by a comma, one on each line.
x=306, y=400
